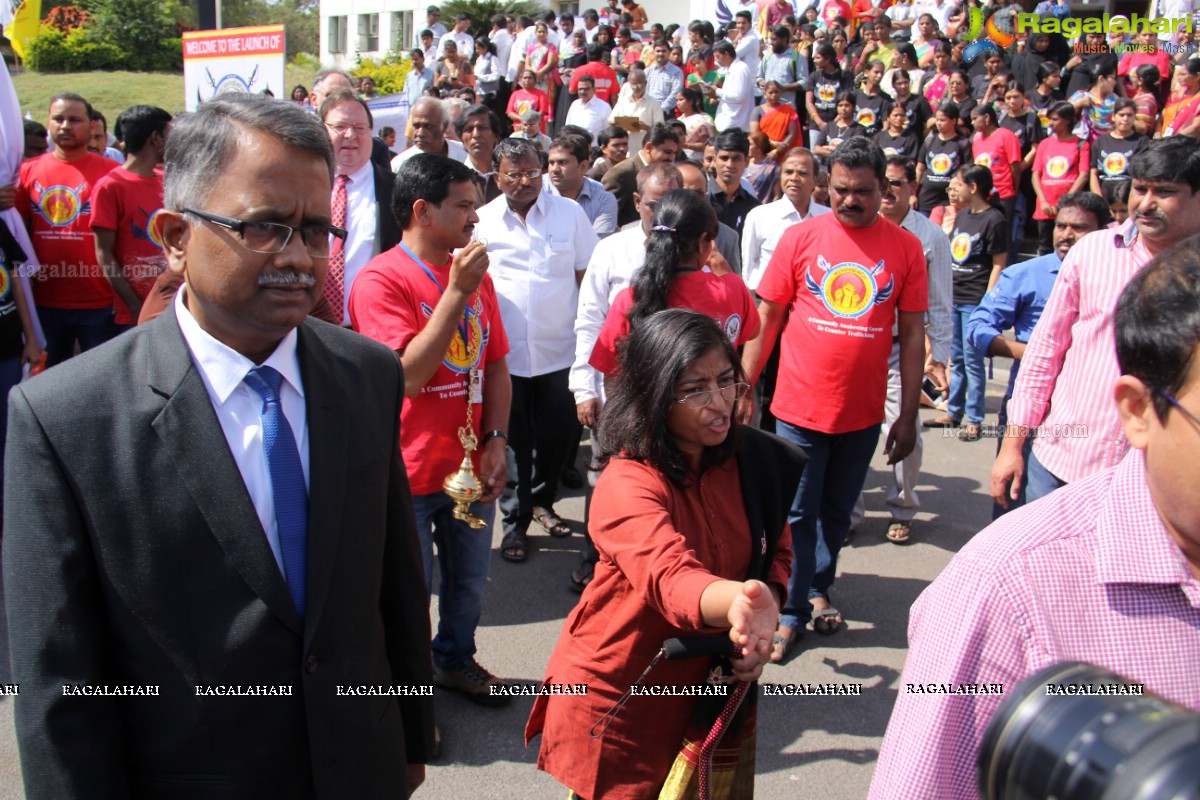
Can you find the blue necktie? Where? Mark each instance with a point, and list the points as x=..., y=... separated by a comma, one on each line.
x=287, y=480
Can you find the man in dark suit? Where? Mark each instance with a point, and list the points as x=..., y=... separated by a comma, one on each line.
x=360, y=201
x=210, y=558
x=661, y=144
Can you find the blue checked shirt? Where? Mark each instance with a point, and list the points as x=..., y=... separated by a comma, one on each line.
x=663, y=84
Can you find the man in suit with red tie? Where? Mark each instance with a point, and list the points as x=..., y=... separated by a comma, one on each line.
x=212, y=569
x=361, y=201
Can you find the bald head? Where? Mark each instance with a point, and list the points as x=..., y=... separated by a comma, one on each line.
x=694, y=179
x=653, y=183
x=325, y=82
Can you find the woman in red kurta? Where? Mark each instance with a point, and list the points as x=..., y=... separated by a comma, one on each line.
x=690, y=519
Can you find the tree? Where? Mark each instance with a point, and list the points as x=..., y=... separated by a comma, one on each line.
x=139, y=28
x=482, y=11
x=300, y=19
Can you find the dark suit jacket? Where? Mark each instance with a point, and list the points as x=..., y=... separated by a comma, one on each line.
x=388, y=229
x=133, y=556
x=621, y=180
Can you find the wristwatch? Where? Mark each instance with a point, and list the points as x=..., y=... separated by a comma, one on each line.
x=497, y=434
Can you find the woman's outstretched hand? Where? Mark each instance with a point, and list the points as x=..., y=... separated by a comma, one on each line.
x=753, y=617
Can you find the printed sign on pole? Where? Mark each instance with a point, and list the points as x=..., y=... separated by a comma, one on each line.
x=233, y=60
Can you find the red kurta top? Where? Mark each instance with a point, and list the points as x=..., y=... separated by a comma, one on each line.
x=660, y=547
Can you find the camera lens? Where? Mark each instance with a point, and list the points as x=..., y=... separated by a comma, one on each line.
x=1086, y=733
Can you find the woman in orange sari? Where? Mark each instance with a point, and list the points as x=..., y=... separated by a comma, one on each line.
x=777, y=120
x=1181, y=114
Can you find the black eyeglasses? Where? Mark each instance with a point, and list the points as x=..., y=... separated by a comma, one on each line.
x=272, y=237
x=1165, y=395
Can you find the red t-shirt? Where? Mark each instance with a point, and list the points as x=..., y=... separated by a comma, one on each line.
x=844, y=287
x=54, y=197
x=725, y=298
x=391, y=301
x=835, y=9
x=605, y=77
x=523, y=100
x=127, y=203
x=1058, y=164
x=997, y=152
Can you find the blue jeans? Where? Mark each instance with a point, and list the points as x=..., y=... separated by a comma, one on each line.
x=820, y=517
x=1017, y=233
x=1039, y=481
x=968, y=373
x=62, y=326
x=464, y=556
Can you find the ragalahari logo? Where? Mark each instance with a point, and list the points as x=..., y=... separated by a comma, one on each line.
x=997, y=40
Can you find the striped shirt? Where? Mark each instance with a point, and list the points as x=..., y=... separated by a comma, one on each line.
x=1088, y=573
x=1070, y=364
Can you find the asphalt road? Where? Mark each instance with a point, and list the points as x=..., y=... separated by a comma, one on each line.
x=820, y=746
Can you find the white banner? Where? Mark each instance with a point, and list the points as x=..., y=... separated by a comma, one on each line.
x=233, y=60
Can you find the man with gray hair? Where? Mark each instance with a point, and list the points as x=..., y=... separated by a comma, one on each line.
x=326, y=81
x=214, y=578
x=429, y=121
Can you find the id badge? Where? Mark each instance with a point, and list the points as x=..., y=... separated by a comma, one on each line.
x=476, y=385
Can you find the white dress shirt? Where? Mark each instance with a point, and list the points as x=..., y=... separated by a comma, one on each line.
x=648, y=110
x=437, y=29
x=749, y=50
x=763, y=227
x=533, y=265
x=362, y=229
x=454, y=149
x=613, y=264
x=520, y=47
x=239, y=409
x=941, y=283
x=504, y=42
x=592, y=115
x=464, y=40
x=735, y=100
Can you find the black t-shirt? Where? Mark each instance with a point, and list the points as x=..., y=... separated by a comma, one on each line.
x=11, y=341
x=1110, y=156
x=975, y=239
x=941, y=159
x=834, y=133
x=733, y=210
x=964, y=112
x=918, y=111
x=1028, y=131
x=870, y=113
x=1041, y=105
x=825, y=88
x=906, y=144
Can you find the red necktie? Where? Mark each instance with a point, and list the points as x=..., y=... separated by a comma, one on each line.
x=331, y=308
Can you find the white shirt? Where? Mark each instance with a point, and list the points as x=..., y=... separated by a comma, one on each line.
x=464, y=40
x=761, y=231
x=752, y=7
x=415, y=83
x=614, y=263
x=648, y=110
x=941, y=283
x=437, y=29
x=520, y=47
x=504, y=42
x=454, y=150
x=533, y=266
x=592, y=115
x=362, y=227
x=735, y=99
x=239, y=410
x=749, y=50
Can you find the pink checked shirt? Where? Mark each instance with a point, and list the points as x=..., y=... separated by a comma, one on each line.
x=1087, y=573
x=1070, y=365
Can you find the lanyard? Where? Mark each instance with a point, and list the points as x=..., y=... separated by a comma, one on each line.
x=463, y=327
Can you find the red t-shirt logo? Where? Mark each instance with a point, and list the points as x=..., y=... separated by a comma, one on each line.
x=848, y=289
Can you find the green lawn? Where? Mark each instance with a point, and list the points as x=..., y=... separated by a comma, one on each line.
x=113, y=92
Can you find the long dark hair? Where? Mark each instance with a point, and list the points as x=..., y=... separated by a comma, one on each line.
x=681, y=219
x=652, y=357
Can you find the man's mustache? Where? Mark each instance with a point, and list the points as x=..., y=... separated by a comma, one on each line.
x=286, y=279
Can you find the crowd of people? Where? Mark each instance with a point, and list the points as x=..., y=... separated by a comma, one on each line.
x=737, y=259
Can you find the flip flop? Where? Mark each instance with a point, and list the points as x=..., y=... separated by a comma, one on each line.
x=551, y=522
x=944, y=421
x=514, y=547
x=899, y=531
x=827, y=621
x=782, y=644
